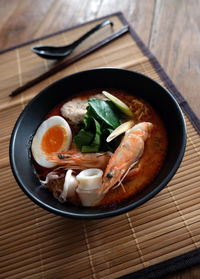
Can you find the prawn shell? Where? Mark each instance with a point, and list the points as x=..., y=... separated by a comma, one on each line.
x=128, y=152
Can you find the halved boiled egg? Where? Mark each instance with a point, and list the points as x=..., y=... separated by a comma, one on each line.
x=53, y=135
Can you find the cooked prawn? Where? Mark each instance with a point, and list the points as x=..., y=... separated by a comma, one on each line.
x=78, y=160
x=126, y=156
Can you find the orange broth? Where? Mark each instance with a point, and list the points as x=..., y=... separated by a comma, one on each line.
x=154, y=150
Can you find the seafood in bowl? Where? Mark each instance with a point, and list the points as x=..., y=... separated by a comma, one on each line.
x=161, y=152
x=96, y=148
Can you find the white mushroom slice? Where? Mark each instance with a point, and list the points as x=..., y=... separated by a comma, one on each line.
x=88, y=189
x=69, y=187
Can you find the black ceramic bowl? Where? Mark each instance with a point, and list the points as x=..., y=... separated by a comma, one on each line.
x=34, y=113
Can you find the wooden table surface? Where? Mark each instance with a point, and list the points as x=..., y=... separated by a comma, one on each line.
x=170, y=28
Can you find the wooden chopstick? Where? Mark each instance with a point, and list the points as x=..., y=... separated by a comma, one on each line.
x=66, y=63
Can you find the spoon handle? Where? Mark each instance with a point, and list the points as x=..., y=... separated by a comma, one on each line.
x=63, y=65
x=94, y=29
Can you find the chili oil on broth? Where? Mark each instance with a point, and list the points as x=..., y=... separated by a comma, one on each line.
x=154, y=149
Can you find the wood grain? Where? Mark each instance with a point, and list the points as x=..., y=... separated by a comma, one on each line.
x=48, y=16
x=175, y=41
x=19, y=20
x=170, y=29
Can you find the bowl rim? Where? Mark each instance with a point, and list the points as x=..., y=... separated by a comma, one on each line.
x=115, y=211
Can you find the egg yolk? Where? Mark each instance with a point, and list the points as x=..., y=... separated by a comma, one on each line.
x=53, y=139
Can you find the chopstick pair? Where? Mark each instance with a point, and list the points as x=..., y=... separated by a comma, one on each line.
x=69, y=61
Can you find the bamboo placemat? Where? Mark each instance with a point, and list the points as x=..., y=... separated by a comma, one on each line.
x=37, y=244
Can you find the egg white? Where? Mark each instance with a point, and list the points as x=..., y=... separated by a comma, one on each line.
x=38, y=154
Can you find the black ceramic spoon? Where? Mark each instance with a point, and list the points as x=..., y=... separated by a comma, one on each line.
x=59, y=52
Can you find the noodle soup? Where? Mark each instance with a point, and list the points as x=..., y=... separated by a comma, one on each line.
x=120, y=168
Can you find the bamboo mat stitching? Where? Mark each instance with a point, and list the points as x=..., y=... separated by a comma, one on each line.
x=89, y=251
x=184, y=221
x=136, y=240
x=194, y=145
x=40, y=249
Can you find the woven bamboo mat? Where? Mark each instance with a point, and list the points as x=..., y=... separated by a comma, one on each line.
x=37, y=244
